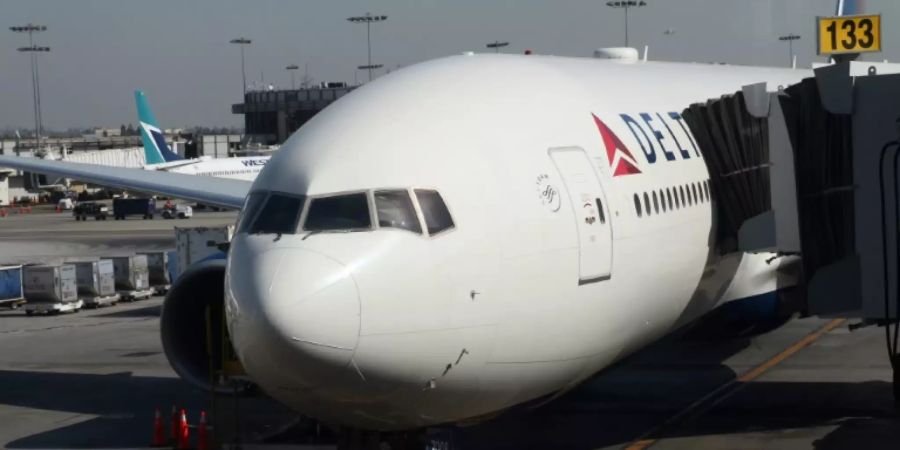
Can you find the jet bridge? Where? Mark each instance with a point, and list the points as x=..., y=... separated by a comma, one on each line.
x=813, y=169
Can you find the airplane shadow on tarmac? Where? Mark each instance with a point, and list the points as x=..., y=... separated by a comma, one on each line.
x=124, y=403
x=613, y=408
x=623, y=403
x=147, y=311
x=119, y=408
x=786, y=408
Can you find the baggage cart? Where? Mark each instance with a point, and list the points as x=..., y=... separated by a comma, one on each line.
x=131, y=277
x=96, y=283
x=194, y=244
x=11, y=293
x=50, y=289
x=158, y=271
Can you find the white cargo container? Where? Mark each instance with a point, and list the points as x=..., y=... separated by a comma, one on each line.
x=132, y=276
x=96, y=282
x=50, y=288
x=195, y=244
x=158, y=269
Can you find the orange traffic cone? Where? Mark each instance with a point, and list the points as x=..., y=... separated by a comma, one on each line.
x=159, y=432
x=175, y=425
x=184, y=433
x=202, y=440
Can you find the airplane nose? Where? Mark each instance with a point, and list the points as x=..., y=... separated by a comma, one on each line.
x=296, y=316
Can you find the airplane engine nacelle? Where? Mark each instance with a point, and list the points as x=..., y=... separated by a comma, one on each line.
x=191, y=324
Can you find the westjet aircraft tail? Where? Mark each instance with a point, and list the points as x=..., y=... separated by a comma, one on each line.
x=156, y=151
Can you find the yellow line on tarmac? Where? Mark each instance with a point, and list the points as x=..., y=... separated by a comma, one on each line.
x=726, y=390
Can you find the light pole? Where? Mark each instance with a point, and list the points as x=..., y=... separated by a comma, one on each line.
x=496, y=45
x=292, y=68
x=790, y=38
x=306, y=79
x=35, y=79
x=625, y=5
x=368, y=19
x=242, y=41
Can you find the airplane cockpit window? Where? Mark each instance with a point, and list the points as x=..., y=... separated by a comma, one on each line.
x=251, y=207
x=437, y=216
x=339, y=213
x=279, y=214
x=395, y=210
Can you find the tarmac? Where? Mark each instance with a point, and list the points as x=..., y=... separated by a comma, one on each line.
x=94, y=379
x=46, y=236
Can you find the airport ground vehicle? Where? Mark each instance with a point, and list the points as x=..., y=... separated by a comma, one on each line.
x=124, y=207
x=83, y=210
x=171, y=211
x=65, y=203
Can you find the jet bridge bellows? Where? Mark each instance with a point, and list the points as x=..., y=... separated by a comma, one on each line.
x=736, y=149
x=824, y=155
x=822, y=143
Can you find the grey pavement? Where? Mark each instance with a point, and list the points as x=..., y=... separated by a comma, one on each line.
x=45, y=236
x=833, y=394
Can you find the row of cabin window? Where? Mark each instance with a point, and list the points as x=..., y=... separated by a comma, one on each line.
x=672, y=198
x=266, y=212
x=228, y=172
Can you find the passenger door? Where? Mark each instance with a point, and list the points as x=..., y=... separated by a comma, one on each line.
x=590, y=210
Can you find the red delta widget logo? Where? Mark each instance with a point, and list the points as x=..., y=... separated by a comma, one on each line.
x=654, y=134
x=621, y=161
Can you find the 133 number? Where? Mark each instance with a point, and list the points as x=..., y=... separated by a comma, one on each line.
x=856, y=35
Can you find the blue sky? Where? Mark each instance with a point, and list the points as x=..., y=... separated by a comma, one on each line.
x=178, y=51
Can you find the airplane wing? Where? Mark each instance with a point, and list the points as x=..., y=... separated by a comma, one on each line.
x=213, y=191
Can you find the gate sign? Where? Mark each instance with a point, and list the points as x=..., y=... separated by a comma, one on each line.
x=849, y=34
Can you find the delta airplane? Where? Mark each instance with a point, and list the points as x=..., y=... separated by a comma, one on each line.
x=463, y=236
x=159, y=157
x=496, y=229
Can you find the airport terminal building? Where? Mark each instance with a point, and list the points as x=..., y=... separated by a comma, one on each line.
x=271, y=116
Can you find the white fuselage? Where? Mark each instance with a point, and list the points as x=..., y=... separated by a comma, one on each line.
x=241, y=168
x=526, y=296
